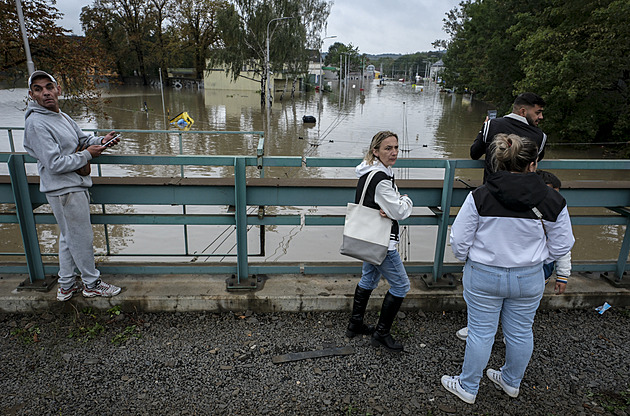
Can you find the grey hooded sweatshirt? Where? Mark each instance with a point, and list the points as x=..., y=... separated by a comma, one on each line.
x=52, y=139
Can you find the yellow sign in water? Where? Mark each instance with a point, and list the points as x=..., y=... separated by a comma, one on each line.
x=182, y=121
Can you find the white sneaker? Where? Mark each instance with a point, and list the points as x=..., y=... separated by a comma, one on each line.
x=100, y=288
x=496, y=378
x=462, y=333
x=452, y=384
x=65, y=294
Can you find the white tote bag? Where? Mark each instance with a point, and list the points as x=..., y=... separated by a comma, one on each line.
x=365, y=233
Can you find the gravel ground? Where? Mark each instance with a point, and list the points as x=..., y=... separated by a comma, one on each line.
x=115, y=363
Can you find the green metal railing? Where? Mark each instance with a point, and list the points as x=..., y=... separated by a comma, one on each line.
x=241, y=191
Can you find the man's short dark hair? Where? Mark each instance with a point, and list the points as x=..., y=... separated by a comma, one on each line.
x=529, y=99
x=549, y=179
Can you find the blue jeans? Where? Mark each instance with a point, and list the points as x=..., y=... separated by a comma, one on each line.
x=392, y=269
x=512, y=295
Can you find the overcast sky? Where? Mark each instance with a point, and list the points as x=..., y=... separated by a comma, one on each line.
x=385, y=26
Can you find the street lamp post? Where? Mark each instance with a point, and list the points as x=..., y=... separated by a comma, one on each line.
x=321, y=69
x=29, y=60
x=267, y=58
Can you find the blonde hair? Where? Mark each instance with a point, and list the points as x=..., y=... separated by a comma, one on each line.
x=376, y=144
x=512, y=153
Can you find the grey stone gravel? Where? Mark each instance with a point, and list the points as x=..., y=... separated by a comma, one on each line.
x=221, y=364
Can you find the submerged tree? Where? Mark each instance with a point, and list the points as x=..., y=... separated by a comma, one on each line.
x=195, y=22
x=245, y=24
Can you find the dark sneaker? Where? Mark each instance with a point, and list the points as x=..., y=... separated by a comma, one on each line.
x=65, y=294
x=101, y=288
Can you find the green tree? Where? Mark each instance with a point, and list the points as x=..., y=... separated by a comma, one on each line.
x=576, y=55
x=77, y=63
x=42, y=29
x=195, y=22
x=100, y=25
x=160, y=11
x=134, y=16
x=336, y=56
x=245, y=24
x=482, y=55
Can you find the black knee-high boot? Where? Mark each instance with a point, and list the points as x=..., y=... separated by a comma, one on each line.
x=356, y=325
x=381, y=336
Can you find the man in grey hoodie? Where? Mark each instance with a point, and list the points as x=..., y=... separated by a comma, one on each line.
x=54, y=139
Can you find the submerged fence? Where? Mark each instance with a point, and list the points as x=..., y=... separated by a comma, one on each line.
x=244, y=186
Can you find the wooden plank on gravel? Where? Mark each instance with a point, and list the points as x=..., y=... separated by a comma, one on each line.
x=297, y=356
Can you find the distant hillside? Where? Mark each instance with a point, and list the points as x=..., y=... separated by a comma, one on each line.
x=384, y=55
x=398, y=55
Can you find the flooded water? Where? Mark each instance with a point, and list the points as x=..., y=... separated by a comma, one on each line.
x=430, y=124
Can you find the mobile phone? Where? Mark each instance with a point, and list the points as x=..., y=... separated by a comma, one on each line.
x=110, y=141
x=492, y=114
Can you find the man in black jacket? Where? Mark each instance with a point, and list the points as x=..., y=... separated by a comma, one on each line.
x=523, y=121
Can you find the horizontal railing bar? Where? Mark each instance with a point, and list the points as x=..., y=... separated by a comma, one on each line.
x=175, y=219
x=276, y=219
x=296, y=161
x=340, y=219
x=159, y=131
x=309, y=220
x=212, y=268
x=197, y=268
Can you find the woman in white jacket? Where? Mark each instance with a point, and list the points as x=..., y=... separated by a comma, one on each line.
x=505, y=231
x=382, y=194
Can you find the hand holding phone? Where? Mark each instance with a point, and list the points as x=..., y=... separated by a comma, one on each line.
x=492, y=114
x=111, y=141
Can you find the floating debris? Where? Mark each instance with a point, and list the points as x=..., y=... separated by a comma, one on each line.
x=183, y=121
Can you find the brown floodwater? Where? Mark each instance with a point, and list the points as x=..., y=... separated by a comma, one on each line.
x=429, y=123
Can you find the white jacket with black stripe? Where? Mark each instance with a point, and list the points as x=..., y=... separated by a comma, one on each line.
x=496, y=225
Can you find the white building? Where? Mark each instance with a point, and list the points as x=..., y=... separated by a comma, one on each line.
x=436, y=69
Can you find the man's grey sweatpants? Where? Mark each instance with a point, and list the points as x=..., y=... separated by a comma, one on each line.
x=72, y=212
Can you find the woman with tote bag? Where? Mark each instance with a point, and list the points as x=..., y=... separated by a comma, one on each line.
x=381, y=194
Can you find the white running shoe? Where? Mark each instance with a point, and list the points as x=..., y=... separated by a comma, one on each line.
x=462, y=333
x=452, y=384
x=65, y=294
x=101, y=288
x=496, y=378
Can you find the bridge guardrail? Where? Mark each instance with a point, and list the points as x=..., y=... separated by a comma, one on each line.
x=241, y=191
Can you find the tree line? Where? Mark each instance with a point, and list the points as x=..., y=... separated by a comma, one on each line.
x=575, y=54
x=140, y=37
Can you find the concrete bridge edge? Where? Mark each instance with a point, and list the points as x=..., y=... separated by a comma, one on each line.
x=281, y=293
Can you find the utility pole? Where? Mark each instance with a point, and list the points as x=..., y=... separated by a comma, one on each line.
x=321, y=69
x=29, y=61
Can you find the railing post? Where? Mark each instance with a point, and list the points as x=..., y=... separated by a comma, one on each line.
x=26, y=220
x=11, y=143
x=440, y=241
x=241, y=281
